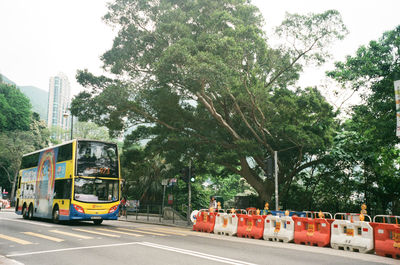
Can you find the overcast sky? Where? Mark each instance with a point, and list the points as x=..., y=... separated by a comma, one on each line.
x=44, y=37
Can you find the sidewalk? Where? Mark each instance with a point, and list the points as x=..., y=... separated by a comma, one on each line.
x=155, y=219
x=142, y=218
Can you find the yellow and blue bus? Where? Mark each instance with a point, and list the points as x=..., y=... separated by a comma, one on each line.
x=76, y=180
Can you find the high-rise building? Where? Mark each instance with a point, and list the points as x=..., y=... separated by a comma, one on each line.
x=58, y=104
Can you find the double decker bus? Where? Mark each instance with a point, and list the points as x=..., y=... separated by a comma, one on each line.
x=76, y=180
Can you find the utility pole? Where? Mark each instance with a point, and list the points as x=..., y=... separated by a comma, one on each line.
x=164, y=182
x=189, y=192
x=276, y=180
x=72, y=125
x=397, y=98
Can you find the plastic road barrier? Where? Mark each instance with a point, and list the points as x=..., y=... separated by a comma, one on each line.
x=291, y=213
x=387, y=236
x=193, y=216
x=202, y=219
x=200, y=224
x=352, y=235
x=251, y=226
x=278, y=228
x=205, y=221
x=312, y=231
x=227, y=223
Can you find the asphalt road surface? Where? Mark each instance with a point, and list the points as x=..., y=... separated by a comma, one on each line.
x=119, y=242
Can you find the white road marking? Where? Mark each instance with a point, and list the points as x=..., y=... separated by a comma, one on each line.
x=70, y=234
x=95, y=232
x=196, y=254
x=69, y=249
x=26, y=221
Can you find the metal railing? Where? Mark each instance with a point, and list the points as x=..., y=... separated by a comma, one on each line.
x=155, y=214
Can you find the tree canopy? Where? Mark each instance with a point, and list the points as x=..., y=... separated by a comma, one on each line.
x=21, y=131
x=15, y=109
x=198, y=79
x=373, y=145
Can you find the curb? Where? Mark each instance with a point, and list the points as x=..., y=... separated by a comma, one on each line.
x=155, y=223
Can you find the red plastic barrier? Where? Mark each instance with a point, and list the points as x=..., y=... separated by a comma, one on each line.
x=387, y=238
x=251, y=226
x=205, y=222
x=313, y=232
x=198, y=221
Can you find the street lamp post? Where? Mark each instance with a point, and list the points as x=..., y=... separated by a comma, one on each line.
x=72, y=125
x=276, y=180
x=189, y=192
x=66, y=114
x=164, y=183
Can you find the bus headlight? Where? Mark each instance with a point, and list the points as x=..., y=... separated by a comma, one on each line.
x=78, y=208
x=113, y=209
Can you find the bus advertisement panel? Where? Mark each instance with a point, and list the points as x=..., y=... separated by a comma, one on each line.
x=78, y=180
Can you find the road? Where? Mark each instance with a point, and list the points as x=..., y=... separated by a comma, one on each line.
x=41, y=242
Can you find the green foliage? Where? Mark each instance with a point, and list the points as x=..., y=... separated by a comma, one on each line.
x=21, y=131
x=371, y=148
x=15, y=109
x=14, y=144
x=201, y=78
x=89, y=130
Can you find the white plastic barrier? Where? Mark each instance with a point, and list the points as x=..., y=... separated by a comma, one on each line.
x=352, y=235
x=279, y=228
x=193, y=216
x=226, y=224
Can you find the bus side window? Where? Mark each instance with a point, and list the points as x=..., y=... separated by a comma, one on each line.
x=64, y=153
x=62, y=189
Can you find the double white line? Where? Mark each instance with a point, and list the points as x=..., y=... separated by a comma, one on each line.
x=196, y=254
x=147, y=244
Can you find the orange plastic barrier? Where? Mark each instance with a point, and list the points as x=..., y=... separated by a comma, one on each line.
x=205, y=221
x=251, y=226
x=387, y=236
x=312, y=231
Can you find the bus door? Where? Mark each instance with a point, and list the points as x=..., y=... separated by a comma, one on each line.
x=62, y=197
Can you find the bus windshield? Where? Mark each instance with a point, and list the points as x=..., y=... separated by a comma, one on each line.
x=97, y=159
x=95, y=190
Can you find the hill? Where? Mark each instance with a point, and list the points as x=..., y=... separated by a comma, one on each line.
x=6, y=80
x=37, y=97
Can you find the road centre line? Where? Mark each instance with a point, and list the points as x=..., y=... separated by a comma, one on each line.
x=25, y=221
x=196, y=254
x=43, y=236
x=69, y=249
x=16, y=240
x=70, y=234
x=143, y=232
x=94, y=232
x=119, y=232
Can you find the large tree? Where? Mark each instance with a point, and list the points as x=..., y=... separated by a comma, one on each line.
x=201, y=77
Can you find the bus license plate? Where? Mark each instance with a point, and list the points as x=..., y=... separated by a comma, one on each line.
x=95, y=217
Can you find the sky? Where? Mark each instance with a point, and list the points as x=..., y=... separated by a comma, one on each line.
x=40, y=38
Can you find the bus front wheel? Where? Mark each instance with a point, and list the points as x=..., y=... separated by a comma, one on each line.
x=97, y=221
x=56, y=215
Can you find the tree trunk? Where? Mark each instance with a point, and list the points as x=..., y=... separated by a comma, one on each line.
x=265, y=189
x=12, y=195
